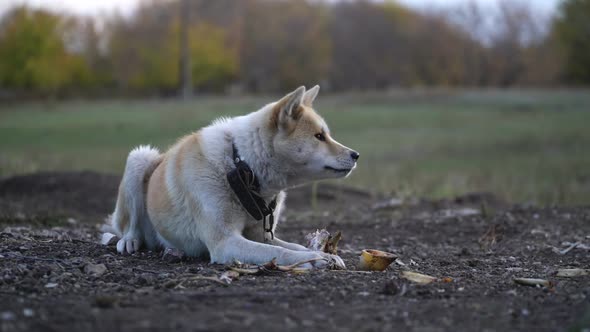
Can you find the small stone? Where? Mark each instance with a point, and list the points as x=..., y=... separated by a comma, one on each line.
x=7, y=315
x=144, y=279
x=173, y=255
x=163, y=275
x=28, y=312
x=109, y=239
x=105, y=301
x=96, y=270
x=391, y=288
x=391, y=203
x=170, y=284
x=51, y=285
x=464, y=252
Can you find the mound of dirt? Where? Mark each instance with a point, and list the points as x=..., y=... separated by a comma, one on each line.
x=81, y=195
x=89, y=196
x=58, y=278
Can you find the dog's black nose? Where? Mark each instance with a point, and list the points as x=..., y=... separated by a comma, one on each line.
x=355, y=155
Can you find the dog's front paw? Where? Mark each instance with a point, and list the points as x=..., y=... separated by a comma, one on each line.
x=128, y=244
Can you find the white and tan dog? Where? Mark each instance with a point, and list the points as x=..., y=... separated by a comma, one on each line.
x=182, y=199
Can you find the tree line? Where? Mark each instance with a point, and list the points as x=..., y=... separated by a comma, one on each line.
x=255, y=46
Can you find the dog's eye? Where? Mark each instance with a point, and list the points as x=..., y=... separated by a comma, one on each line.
x=320, y=136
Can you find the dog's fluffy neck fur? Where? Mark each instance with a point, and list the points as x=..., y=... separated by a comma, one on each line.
x=254, y=141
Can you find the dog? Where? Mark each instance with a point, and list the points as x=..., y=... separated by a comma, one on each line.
x=205, y=194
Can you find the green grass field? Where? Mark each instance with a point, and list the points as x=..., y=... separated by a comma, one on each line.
x=525, y=146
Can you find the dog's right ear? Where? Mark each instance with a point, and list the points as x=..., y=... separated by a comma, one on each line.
x=310, y=96
x=288, y=108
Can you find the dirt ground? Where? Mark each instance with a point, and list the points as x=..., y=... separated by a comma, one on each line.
x=475, y=244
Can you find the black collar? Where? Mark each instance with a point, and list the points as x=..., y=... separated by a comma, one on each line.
x=245, y=185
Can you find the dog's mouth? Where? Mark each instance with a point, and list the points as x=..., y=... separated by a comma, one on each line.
x=338, y=170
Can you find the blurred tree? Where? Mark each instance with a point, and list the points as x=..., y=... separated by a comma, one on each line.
x=572, y=30
x=186, y=88
x=145, y=52
x=34, y=54
x=285, y=44
x=90, y=45
x=372, y=45
x=439, y=59
x=510, y=44
x=382, y=45
x=270, y=46
x=214, y=63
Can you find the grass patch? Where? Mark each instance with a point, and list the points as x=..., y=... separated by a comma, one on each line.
x=525, y=146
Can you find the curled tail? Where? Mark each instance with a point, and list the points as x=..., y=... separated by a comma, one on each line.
x=130, y=221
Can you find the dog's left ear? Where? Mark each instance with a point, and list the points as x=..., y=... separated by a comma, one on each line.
x=288, y=108
x=310, y=95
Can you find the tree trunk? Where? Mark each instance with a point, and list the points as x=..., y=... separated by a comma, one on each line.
x=186, y=84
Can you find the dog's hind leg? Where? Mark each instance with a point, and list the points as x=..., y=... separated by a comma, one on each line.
x=130, y=220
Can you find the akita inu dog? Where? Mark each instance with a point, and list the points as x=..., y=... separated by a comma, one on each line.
x=206, y=192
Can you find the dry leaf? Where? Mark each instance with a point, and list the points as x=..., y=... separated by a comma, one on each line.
x=322, y=240
x=533, y=282
x=229, y=276
x=568, y=273
x=418, y=278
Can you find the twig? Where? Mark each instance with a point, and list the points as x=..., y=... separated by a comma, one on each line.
x=246, y=271
x=570, y=248
x=287, y=268
x=489, y=238
x=54, y=260
x=83, y=241
x=142, y=270
x=533, y=282
x=215, y=279
x=272, y=266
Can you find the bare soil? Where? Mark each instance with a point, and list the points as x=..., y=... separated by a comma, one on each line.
x=474, y=244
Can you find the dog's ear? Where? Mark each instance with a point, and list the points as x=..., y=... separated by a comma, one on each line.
x=288, y=108
x=310, y=96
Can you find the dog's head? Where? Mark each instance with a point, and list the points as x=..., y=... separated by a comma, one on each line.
x=303, y=139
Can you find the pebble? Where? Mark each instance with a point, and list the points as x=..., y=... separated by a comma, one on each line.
x=173, y=255
x=96, y=270
x=109, y=239
x=105, y=301
x=7, y=315
x=391, y=288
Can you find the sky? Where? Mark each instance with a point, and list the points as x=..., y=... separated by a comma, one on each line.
x=126, y=7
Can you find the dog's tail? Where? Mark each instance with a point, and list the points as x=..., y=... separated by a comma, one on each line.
x=130, y=213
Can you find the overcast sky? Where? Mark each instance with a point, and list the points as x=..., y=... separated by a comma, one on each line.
x=95, y=7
